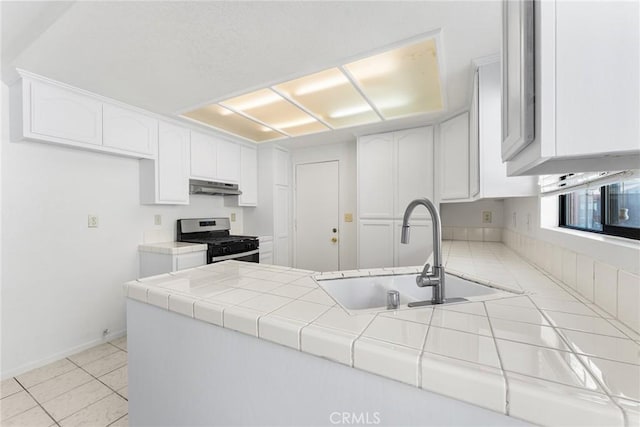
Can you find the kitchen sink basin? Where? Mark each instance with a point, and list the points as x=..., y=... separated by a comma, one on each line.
x=369, y=293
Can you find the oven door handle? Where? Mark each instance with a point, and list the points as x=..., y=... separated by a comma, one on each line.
x=234, y=256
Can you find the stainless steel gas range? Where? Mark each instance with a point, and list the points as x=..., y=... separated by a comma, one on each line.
x=221, y=245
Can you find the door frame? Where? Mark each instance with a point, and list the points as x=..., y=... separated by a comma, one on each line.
x=295, y=207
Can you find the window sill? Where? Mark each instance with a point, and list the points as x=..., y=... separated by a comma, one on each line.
x=595, y=237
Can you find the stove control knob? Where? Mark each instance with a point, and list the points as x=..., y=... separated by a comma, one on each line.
x=226, y=250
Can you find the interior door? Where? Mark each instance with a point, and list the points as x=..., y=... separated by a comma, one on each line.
x=317, y=216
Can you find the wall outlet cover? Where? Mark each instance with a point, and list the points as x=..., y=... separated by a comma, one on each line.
x=157, y=219
x=92, y=221
x=233, y=217
x=486, y=217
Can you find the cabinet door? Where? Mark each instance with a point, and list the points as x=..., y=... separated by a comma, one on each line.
x=474, y=140
x=128, y=130
x=281, y=222
x=376, y=183
x=173, y=164
x=420, y=246
x=204, y=155
x=375, y=244
x=64, y=115
x=414, y=154
x=248, y=177
x=228, y=161
x=454, y=158
x=597, y=101
x=282, y=167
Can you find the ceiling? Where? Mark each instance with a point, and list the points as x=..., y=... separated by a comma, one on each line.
x=170, y=57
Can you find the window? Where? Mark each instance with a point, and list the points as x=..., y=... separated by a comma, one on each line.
x=612, y=209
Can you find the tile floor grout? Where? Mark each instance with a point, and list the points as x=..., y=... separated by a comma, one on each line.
x=93, y=377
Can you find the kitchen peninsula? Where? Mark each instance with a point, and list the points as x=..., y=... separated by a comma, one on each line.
x=472, y=362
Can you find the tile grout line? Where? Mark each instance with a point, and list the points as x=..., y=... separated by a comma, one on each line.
x=507, y=392
x=122, y=417
x=97, y=378
x=37, y=403
x=352, y=346
x=586, y=367
x=422, y=350
x=307, y=324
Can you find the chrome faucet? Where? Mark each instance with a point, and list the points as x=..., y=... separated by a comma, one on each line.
x=435, y=278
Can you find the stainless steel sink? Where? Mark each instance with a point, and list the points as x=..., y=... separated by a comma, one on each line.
x=369, y=293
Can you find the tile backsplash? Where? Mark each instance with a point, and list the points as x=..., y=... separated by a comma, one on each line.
x=472, y=234
x=615, y=291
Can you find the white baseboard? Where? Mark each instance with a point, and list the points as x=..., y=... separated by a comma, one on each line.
x=61, y=355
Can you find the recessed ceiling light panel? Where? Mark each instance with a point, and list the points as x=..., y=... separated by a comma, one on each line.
x=330, y=96
x=267, y=107
x=401, y=82
x=228, y=121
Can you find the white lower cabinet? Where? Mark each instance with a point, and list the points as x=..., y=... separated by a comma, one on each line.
x=266, y=249
x=166, y=179
x=380, y=244
x=375, y=241
x=420, y=245
x=152, y=263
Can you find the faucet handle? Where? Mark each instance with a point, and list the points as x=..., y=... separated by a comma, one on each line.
x=426, y=269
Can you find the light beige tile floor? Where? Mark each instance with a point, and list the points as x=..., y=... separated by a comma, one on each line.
x=86, y=389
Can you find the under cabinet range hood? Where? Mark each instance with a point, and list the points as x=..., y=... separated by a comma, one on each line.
x=213, y=188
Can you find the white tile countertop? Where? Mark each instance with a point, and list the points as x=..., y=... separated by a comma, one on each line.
x=172, y=248
x=546, y=356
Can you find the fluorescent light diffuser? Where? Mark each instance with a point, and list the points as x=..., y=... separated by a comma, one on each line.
x=410, y=72
x=228, y=121
x=397, y=83
x=277, y=113
x=330, y=96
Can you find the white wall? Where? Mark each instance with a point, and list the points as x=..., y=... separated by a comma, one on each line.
x=61, y=281
x=345, y=154
x=470, y=214
x=523, y=215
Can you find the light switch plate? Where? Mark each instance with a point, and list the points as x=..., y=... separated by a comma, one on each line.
x=348, y=217
x=92, y=221
x=486, y=217
x=157, y=219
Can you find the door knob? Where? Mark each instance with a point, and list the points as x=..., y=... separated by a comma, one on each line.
x=334, y=240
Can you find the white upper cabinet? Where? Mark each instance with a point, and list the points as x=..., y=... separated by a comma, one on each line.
x=128, y=130
x=228, y=161
x=248, y=177
x=454, y=158
x=204, y=157
x=376, y=176
x=63, y=115
x=173, y=164
x=165, y=180
x=46, y=111
x=587, y=80
x=470, y=166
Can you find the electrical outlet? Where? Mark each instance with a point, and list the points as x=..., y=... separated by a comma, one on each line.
x=157, y=219
x=486, y=217
x=233, y=217
x=348, y=217
x=92, y=221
